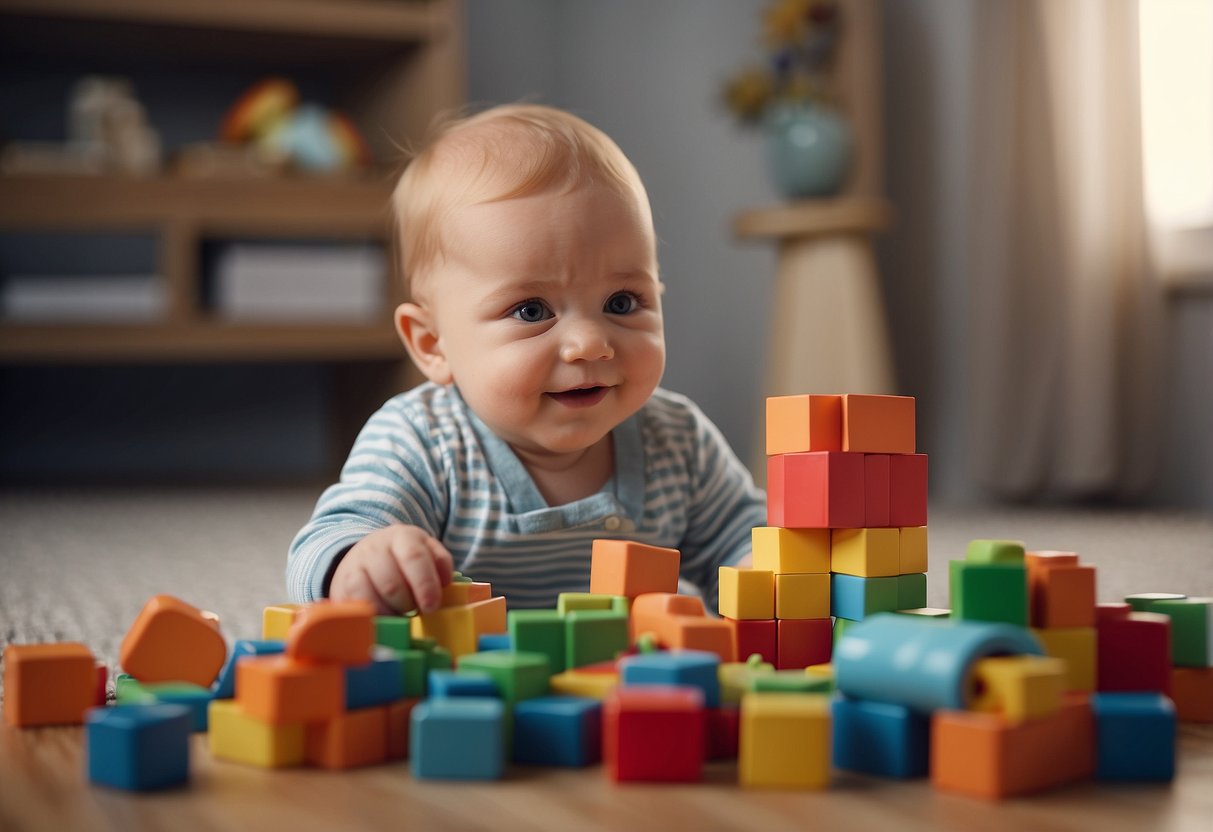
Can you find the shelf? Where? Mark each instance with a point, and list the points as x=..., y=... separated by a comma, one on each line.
x=811, y=217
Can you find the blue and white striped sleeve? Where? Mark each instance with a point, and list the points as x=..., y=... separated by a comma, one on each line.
x=394, y=474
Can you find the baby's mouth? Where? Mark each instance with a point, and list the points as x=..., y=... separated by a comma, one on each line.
x=581, y=396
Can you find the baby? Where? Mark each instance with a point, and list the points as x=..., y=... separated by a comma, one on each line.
x=531, y=262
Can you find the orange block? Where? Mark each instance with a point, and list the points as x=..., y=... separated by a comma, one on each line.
x=1192, y=692
x=489, y=615
x=797, y=424
x=650, y=610
x=1061, y=592
x=878, y=424
x=985, y=756
x=623, y=567
x=48, y=684
x=349, y=740
x=279, y=689
x=172, y=641
x=462, y=593
x=399, y=715
x=712, y=635
x=333, y=631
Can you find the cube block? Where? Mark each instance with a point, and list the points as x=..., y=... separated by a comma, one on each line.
x=652, y=611
x=1135, y=736
x=558, y=731
x=462, y=593
x=685, y=668
x=819, y=490
x=518, y=675
x=802, y=595
x=993, y=591
x=399, y=719
x=377, y=682
x=460, y=738
x=234, y=735
x=539, y=631
x=1075, y=646
x=907, y=490
x=912, y=550
x=876, y=490
x=349, y=740
x=592, y=636
x=995, y=551
x=911, y=591
x=868, y=553
x=785, y=741
x=138, y=747
x=48, y=684
x=333, y=631
x=880, y=738
x=722, y=732
x=276, y=621
x=856, y=598
x=1134, y=653
x=1192, y=693
x=756, y=637
x=281, y=690
x=1018, y=687
x=225, y=685
x=623, y=567
x=1191, y=630
x=1061, y=591
x=747, y=594
x=796, y=424
x=714, y=635
x=654, y=733
x=803, y=642
x=781, y=550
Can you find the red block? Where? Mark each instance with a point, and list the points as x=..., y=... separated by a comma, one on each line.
x=722, y=733
x=875, y=491
x=1134, y=651
x=907, y=489
x=759, y=636
x=816, y=490
x=653, y=733
x=102, y=681
x=804, y=641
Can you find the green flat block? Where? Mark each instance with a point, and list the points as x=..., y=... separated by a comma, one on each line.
x=393, y=631
x=790, y=681
x=995, y=551
x=840, y=628
x=539, y=631
x=911, y=591
x=1144, y=601
x=518, y=675
x=594, y=636
x=1191, y=630
x=566, y=602
x=989, y=592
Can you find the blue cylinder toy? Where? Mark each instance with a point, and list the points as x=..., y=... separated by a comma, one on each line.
x=922, y=663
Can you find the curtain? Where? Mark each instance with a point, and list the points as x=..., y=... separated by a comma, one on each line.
x=1067, y=317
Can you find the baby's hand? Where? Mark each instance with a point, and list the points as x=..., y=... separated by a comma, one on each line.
x=398, y=569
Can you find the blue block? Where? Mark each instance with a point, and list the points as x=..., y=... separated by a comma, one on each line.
x=457, y=738
x=462, y=683
x=224, y=687
x=493, y=641
x=881, y=739
x=378, y=682
x=1134, y=736
x=558, y=731
x=856, y=598
x=696, y=668
x=195, y=697
x=138, y=747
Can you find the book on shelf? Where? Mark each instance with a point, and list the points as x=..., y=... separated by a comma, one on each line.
x=82, y=299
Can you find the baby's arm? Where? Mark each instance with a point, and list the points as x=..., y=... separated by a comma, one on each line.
x=397, y=568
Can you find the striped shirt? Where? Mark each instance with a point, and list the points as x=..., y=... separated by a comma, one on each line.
x=425, y=459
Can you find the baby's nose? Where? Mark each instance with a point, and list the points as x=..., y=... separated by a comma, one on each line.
x=586, y=341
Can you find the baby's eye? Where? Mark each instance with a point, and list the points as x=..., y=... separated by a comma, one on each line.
x=621, y=303
x=531, y=311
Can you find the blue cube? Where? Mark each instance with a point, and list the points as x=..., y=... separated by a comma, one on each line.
x=880, y=738
x=1134, y=736
x=378, y=682
x=195, y=697
x=462, y=683
x=558, y=731
x=458, y=738
x=493, y=641
x=138, y=747
x=696, y=668
x=224, y=686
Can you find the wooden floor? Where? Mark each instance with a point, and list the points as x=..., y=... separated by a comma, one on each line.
x=42, y=787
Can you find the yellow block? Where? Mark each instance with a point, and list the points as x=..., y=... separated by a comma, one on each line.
x=790, y=550
x=802, y=596
x=579, y=683
x=277, y=619
x=868, y=553
x=747, y=594
x=1018, y=687
x=452, y=627
x=234, y=735
x=1076, y=647
x=734, y=678
x=785, y=740
x=912, y=555
x=823, y=671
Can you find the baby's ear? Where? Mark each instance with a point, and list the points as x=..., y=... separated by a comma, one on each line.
x=417, y=330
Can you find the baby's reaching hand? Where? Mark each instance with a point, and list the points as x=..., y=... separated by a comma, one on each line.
x=398, y=568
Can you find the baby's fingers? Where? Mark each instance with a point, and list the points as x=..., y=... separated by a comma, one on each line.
x=417, y=564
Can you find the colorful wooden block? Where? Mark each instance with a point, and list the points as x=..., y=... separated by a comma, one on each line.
x=789, y=681
x=818, y=490
x=907, y=490
x=1134, y=653
x=781, y=550
x=399, y=718
x=803, y=642
x=584, y=683
x=441, y=683
x=225, y=685
x=925, y=612
x=1018, y=687
x=1061, y=592
x=539, y=631
x=234, y=735
x=567, y=602
x=722, y=732
x=333, y=631
x=877, y=424
x=653, y=733
x=735, y=678
x=796, y=424
x=1191, y=630
x=876, y=490
x=462, y=593
x=592, y=636
x=868, y=553
x=785, y=741
x=983, y=755
x=494, y=641
x=651, y=610
x=195, y=698
x=48, y=684
x=1075, y=646
x=994, y=591
x=170, y=641
x=459, y=738
x=1143, y=601
x=138, y=747
x=911, y=550
x=558, y=731
x=518, y=675
x=1192, y=693
x=377, y=682
x=281, y=690
x=755, y=638
x=352, y=739
x=394, y=631
x=688, y=668
x=1134, y=736
x=747, y=594
x=880, y=738
x=713, y=635
x=276, y=621
x=911, y=591
x=995, y=551
x=802, y=595
x=856, y=598
x=624, y=567
x=452, y=627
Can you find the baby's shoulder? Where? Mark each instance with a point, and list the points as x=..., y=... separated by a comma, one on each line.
x=671, y=419
x=431, y=411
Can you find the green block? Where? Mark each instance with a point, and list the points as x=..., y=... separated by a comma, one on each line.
x=1144, y=601
x=911, y=591
x=840, y=628
x=995, y=551
x=594, y=636
x=414, y=667
x=989, y=592
x=460, y=578
x=566, y=602
x=429, y=645
x=790, y=681
x=735, y=677
x=130, y=691
x=539, y=631
x=439, y=659
x=393, y=631
x=518, y=675
x=1191, y=630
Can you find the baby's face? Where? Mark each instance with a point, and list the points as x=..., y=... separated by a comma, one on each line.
x=548, y=310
